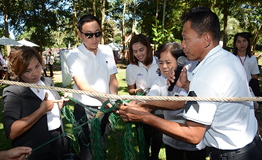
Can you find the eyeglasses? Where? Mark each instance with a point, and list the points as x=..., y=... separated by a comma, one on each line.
x=90, y=35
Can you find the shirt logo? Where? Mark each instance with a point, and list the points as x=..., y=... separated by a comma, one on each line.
x=158, y=72
x=139, y=74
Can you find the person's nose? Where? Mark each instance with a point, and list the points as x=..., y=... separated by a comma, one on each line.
x=165, y=65
x=93, y=38
x=139, y=53
x=183, y=44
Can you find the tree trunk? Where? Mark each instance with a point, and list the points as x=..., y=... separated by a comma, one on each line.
x=41, y=24
x=225, y=25
x=157, y=6
x=123, y=32
x=103, y=21
x=134, y=19
x=256, y=38
x=8, y=48
x=79, y=8
x=164, y=12
x=94, y=7
x=75, y=22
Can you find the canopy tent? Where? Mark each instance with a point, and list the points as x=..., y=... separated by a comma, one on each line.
x=24, y=42
x=7, y=41
x=115, y=46
x=66, y=77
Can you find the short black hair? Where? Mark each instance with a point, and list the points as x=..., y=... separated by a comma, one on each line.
x=203, y=20
x=87, y=18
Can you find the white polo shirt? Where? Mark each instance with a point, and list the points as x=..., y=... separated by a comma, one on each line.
x=95, y=69
x=230, y=125
x=140, y=75
x=160, y=88
x=250, y=65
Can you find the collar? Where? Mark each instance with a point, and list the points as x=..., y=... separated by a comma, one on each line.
x=84, y=50
x=140, y=64
x=39, y=92
x=211, y=53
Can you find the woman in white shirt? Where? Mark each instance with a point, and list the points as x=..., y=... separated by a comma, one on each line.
x=140, y=75
x=242, y=50
x=168, y=53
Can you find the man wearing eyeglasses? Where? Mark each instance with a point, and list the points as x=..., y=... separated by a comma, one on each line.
x=93, y=69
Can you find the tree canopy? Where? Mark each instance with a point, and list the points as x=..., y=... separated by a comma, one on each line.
x=52, y=23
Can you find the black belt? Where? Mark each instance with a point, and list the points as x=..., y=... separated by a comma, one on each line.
x=231, y=153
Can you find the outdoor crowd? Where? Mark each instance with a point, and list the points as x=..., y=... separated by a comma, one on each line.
x=198, y=67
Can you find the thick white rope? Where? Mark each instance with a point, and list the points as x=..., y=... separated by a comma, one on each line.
x=129, y=97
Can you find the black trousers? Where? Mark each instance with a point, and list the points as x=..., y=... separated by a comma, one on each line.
x=176, y=154
x=83, y=139
x=252, y=151
x=254, y=84
x=44, y=70
x=51, y=70
x=56, y=148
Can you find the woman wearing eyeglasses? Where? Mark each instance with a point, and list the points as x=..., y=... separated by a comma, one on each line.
x=93, y=69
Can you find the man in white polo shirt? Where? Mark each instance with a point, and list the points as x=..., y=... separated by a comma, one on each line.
x=93, y=69
x=229, y=128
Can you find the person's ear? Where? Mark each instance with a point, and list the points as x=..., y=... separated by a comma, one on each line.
x=207, y=38
x=79, y=34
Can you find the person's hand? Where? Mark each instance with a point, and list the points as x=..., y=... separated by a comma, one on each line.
x=132, y=112
x=62, y=101
x=182, y=81
x=17, y=153
x=133, y=102
x=67, y=94
x=170, y=75
x=139, y=91
x=47, y=105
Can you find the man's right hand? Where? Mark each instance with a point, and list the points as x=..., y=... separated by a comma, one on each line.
x=182, y=81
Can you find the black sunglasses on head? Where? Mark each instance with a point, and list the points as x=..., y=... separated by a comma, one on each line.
x=90, y=35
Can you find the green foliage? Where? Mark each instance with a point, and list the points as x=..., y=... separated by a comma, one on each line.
x=162, y=35
x=118, y=38
x=2, y=32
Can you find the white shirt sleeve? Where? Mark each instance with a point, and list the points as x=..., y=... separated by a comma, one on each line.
x=155, y=89
x=197, y=111
x=112, y=65
x=130, y=76
x=254, y=68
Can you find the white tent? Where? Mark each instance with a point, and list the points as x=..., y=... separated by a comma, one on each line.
x=115, y=46
x=66, y=77
x=24, y=42
x=7, y=41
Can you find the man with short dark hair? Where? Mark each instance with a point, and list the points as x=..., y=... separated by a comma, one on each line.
x=93, y=69
x=50, y=62
x=228, y=128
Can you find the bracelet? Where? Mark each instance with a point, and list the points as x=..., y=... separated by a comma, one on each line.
x=135, y=91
